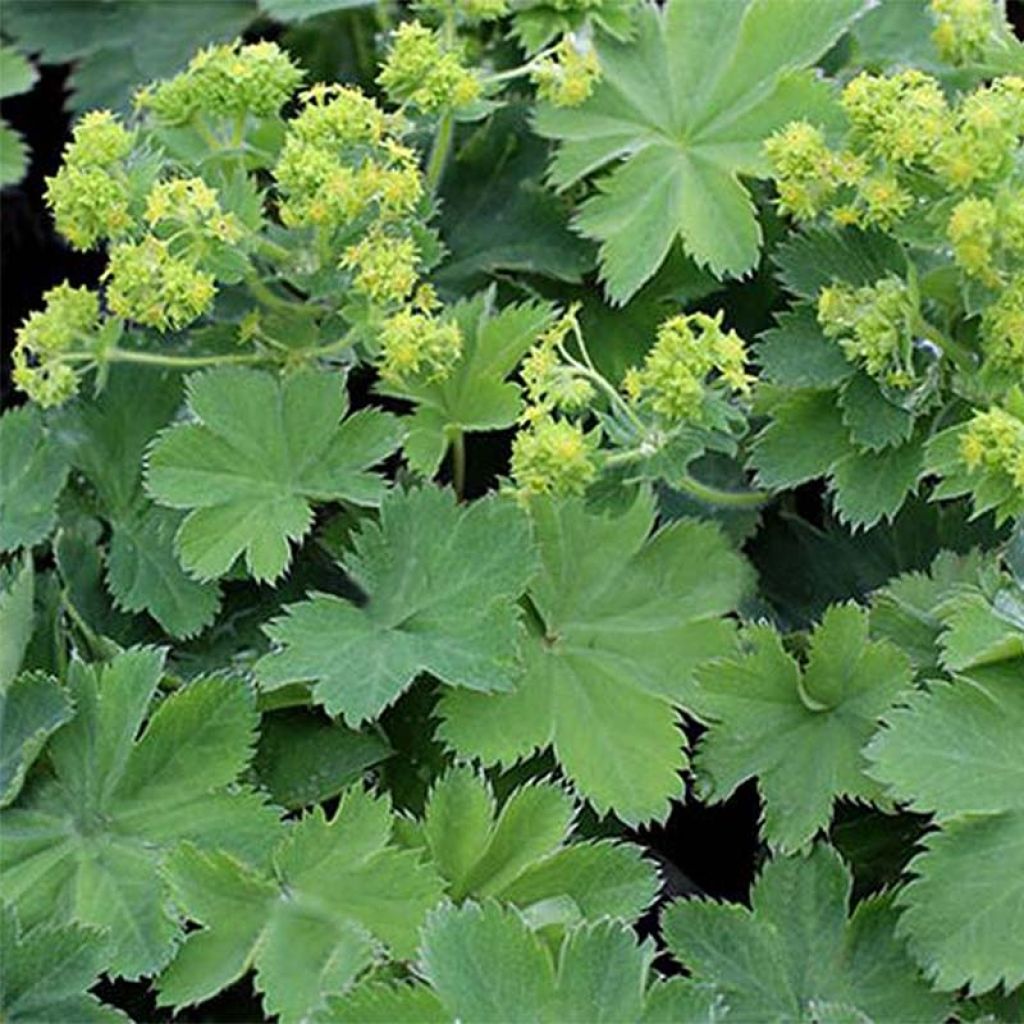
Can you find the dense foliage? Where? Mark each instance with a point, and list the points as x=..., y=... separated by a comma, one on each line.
x=563, y=412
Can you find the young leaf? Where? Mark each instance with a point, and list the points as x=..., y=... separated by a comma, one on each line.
x=520, y=855
x=795, y=949
x=476, y=396
x=686, y=107
x=84, y=843
x=48, y=971
x=799, y=732
x=31, y=708
x=309, y=926
x=32, y=474
x=622, y=622
x=107, y=439
x=261, y=452
x=954, y=750
x=441, y=585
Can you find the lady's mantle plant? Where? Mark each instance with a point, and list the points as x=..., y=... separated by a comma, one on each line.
x=306, y=680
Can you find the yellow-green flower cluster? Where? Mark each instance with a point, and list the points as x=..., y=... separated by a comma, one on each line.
x=567, y=76
x=874, y=327
x=384, y=266
x=90, y=195
x=70, y=317
x=964, y=29
x=554, y=456
x=1002, y=330
x=691, y=352
x=987, y=236
x=147, y=283
x=902, y=132
x=416, y=346
x=993, y=442
x=229, y=80
x=188, y=206
x=421, y=71
x=550, y=383
x=340, y=163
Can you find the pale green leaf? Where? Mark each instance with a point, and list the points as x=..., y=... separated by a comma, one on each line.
x=14, y=155
x=441, y=585
x=799, y=732
x=261, y=452
x=17, y=75
x=377, y=1003
x=32, y=474
x=796, y=948
x=622, y=622
x=686, y=107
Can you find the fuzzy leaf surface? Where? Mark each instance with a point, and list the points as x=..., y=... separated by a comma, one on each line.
x=441, y=585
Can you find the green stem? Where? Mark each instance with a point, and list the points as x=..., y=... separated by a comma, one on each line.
x=206, y=134
x=121, y=355
x=459, y=463
x=439, y=151
x=270, y=249
x=262, y=293
x=960, y=355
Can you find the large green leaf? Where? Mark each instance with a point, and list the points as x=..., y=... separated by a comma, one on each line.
x=310, y=925
x=441, y=585
x=794, y=955
x=261, y=452
x=800, y=732
x=83, y=842
x=682, y=112
x=622, y=622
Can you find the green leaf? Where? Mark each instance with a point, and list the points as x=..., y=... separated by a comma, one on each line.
x=873, y=421
x=686, y=108
x=498, y=216
x=85, y=842
x=302, y=758
x=337, y=889
x=953, y=750
x=795, y=354
x=106, y=438
x=441, y=585
x=32, y=475
x=622, y=622
x=476, y=396
x=31, y=708
x=377, y=1003
x=116, y=45
x=795, y=948
x=805, y=437
x=17, y=590
x=521, y=855
x=261, y=452
x=48, y=971
x=14, y=155
x=800, y=732
x=299, y=10
x=485, y=965
x=869, y=486
x=17, y=75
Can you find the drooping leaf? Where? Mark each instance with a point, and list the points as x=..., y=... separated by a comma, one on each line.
x=48, y=971
x=622, y=622
x=84, y=843
x=795, y=949
x=686, y=107
x=32, y=474
x=441, y=585
x=260, y=453
x=800, y=732
x=337, y=889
